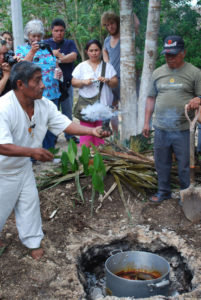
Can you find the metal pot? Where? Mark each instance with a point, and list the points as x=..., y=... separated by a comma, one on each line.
x=120, y=287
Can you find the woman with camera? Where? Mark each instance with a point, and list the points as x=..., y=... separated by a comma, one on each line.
x=4, y=68
x=40, y=53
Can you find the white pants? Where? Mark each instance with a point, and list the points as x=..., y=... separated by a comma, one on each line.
x=19, y=192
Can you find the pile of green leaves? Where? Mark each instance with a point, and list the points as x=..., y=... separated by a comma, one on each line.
x=73, y=165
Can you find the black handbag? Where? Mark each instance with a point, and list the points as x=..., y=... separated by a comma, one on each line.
x=82, y=102
x=63, y=88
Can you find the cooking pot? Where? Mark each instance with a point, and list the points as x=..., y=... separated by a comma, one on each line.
x=137, y=260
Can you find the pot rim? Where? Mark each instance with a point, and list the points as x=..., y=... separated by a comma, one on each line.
x=138, y=281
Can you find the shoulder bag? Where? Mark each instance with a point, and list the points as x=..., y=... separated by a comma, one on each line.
x=82, y=102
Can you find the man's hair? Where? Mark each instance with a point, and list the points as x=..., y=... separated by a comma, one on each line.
x=58, y=22
x=23, y=71
x=109, y=16
x=33, y=27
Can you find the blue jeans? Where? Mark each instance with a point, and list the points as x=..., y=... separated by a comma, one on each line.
x=50, y=139
x=67, y=106
x=165, y=143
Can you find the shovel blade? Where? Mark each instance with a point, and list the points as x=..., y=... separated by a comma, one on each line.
x=191, y=203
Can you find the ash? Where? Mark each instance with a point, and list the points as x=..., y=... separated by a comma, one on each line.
x=91, y=268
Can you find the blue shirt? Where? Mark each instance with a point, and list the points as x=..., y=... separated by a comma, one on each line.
x=66, y=47
x=47, y=63
x=114, y=54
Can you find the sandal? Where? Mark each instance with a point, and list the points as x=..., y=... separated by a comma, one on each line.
x=158, y=198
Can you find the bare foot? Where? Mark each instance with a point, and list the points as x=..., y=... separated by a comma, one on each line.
x=37, y=253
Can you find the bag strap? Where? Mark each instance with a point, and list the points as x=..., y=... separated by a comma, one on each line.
x=102, y=75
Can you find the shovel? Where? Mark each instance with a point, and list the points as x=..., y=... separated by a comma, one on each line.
x=191, y=197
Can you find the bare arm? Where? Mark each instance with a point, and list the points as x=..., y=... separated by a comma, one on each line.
x=77, y=129
x=150, y=104
x=30, y=55
x=105, y=55
x=36, y=153
x=68, y=58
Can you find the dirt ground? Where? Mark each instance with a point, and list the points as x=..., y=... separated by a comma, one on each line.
x=66, y=223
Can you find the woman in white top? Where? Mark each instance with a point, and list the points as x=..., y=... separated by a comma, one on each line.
x=84, y=76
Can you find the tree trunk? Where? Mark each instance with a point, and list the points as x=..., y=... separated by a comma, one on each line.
x=17, y=26
x=150, y=54
x=128, y=96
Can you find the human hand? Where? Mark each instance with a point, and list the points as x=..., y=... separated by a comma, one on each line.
x=57, y=53
x=6, y=68
x=34, y=47
x=17, y=58
x=194, y=103
x=99, y=132
x=103, y=79
x=146, y=131
x=41, y=154
x=87, y=82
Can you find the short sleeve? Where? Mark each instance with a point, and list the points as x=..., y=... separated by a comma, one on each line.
x=20, y=52
x=57, y=122
x=152, y=90
x=110, y=71
x=72, y=46
x=76, y=72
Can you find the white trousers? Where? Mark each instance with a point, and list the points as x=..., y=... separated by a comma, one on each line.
x=19, y=192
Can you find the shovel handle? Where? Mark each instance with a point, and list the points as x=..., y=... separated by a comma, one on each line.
x=192, y=122
x=192, y=142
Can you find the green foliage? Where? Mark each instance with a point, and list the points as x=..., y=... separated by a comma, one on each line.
x=84, y=159
x=64, y=162
x=140, y=144
x=83, y=22
x=178, y=17
x=96, y=170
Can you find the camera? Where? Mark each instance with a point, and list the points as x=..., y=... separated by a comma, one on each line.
x=8, y=57
x=43, y=45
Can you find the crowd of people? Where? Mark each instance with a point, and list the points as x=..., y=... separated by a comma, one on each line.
x=36, y=89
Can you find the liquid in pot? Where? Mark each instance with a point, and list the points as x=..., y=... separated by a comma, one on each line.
x=138, y=274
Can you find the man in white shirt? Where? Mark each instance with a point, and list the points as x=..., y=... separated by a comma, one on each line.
x=25, y=117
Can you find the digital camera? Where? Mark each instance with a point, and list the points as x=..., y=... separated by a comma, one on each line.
x=8, y=57
x=43, y=45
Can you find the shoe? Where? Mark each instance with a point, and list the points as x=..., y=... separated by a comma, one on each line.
x=159, y=198
x=75, y=139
